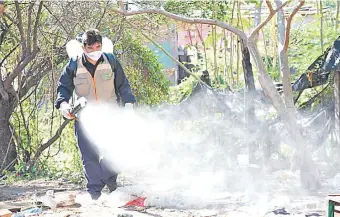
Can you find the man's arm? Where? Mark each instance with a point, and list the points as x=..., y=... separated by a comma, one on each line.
x=122, y=85
x=65, y=84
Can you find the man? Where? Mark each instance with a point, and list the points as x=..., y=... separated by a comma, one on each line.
x=99, y=77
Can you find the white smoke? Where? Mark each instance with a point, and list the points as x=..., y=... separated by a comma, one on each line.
x=170, y=163
x=184, y=158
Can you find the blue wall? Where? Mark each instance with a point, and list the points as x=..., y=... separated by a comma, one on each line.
x=166, y=61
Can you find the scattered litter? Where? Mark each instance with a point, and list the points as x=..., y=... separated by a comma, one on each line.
x=57, y=200
x=71, y=215
x=124, y=215
x=28, y=212
x=138, y=202
x=313, y=214
x=15, y=206
x=48, y=200
x=5, y=213
x=280, y=211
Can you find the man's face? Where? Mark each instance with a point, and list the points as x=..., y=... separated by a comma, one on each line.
x=93, y=47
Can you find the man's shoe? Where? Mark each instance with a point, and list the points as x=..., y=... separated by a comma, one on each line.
x=87, y=198
x=95, y=195
x=112, y=187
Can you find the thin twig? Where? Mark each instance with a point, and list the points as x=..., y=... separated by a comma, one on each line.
x=102, y=16
x=36, y=24
x=289, y=22
x=29, y=26
x=184, y=19
x=9, y=53
x=60, y=23
x=270, y=16
x=307, y=103
x=47, y=144
x=21, y=29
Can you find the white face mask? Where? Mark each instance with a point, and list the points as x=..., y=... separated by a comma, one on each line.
x=95, y=55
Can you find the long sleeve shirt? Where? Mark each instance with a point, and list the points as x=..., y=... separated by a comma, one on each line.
x=66, y=86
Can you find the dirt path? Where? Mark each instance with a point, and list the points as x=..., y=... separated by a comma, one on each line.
x=229, y=204
x=21, y=195
x=23, y=190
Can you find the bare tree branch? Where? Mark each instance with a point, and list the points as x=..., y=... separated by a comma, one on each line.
x=55, y=17
x=289, y=22
x=47, y=144
x=7, y=55
x=29, y=26
x=21, y=29
x=19, y=68
x=102, y=16
x=3, y=92
x=118, y=33
x=13, y=36
x=223, y=25
x=4, y=31
x=36, y=26
x=270, y=16
x=8, y=17
x=33, y=80
x=270, y=7
x=27, y=95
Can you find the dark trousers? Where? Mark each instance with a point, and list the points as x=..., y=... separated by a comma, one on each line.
x=96, y=170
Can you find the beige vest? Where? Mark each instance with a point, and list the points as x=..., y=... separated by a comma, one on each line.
x=99, y=88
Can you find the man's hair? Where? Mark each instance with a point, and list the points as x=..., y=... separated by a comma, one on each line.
x=91, y=36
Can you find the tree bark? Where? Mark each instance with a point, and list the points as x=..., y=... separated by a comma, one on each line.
x=7, y=147
x=287, y=87
x=249, y=98
x=280, y=22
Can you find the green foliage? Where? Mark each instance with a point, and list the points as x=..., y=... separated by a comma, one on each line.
x=197, y=8
x=183, y=90
x=147, y=78
x=305, y=44
x=62, y=159
x=145, y=73
x=38, y=120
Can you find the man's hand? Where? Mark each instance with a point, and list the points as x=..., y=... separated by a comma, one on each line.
x=65, y=110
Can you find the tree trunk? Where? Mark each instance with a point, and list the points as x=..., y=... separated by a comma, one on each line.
x=280, y=23
x=281, y=30
x=308, y=173
x=275, y=39
x=309, y=177
x=287, y=87
x=7, y=147
x=249, y=99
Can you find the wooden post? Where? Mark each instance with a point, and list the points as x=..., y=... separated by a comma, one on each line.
x=337, y=104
